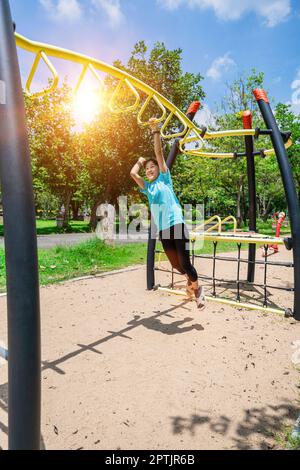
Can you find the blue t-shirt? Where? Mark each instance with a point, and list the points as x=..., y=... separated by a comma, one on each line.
x=164, y=205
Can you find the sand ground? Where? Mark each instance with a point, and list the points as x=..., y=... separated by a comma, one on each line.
x=124, y=368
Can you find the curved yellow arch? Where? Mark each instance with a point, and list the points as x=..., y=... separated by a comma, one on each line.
x=191, y=133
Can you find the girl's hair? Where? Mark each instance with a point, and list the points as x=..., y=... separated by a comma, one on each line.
x=151, y=160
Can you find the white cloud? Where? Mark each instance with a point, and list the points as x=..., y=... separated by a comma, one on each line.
x=62, y=9
x=295, y=103
x=272, y=11
x=72, y=10
x=112, y=9
x=220, y=65
x=170, y=4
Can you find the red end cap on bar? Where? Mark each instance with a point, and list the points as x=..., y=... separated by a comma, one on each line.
x=194, y=107
x=260, y=94
x=247, y=119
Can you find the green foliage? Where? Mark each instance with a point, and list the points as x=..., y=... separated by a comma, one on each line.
x=92, y=257
x=91, y=166
x=54, y=154
x=113, y=142
x=288, y=121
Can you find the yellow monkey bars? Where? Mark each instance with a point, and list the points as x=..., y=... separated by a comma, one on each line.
x=191, y=133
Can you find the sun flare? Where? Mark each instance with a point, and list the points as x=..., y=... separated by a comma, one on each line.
x=87, y=105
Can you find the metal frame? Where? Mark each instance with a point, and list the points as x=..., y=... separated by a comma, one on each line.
x=263, y=241
x=189, y=132
x=249, y=145
x=24, y=362
x=289, y=187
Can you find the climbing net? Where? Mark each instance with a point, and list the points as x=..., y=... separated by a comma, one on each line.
x=143, y=96
x=235, y=287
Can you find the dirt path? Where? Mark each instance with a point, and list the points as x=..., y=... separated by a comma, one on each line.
x=124, y=368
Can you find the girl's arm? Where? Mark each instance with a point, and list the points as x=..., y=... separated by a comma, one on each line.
x=135, y=172
x=157, y=146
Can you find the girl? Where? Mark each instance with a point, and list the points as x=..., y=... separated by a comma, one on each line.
x=167, y=214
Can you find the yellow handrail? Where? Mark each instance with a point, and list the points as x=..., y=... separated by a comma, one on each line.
x=233, y=219
x=210, y=229
x=218, y=226
x=190, y=133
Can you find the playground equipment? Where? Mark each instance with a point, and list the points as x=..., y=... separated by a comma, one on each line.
x=278, y=218
x=239, y=238
x=211, y=230
x=18, y=202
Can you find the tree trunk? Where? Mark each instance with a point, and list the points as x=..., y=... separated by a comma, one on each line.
x=94, y=221
x=67, y=209
x=266, y=211
x=75, y=205
x=63, y=215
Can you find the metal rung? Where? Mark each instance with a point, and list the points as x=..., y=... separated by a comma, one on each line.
x=229, y=281
x=244, y=260
x=223, y=300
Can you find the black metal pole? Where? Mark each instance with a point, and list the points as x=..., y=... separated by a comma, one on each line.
x=191, y=113
x=193, y=108
x=24, y=382
x=247, y=124
x=151, y=256
x=289, y=187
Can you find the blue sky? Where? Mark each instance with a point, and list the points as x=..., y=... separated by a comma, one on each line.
x=219, y=38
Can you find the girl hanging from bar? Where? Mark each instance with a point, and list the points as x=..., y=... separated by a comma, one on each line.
x=167, y=214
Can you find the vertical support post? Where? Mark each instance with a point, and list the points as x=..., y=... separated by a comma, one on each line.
x=266, y=249
x=24, y=370
x=214, y=293
x=193, y=109
x=289, y=187
x=247, y=124
x=238, y=280
x=151, y=256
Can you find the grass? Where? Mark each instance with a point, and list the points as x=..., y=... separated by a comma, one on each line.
x=266, y=228
x=48, y=227
x=62, y=263
x=285, y=440
x=92, y=257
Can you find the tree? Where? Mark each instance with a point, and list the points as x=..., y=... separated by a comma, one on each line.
x=290, y=121
x=54, y=154
x=222, y=181
x=113, y=142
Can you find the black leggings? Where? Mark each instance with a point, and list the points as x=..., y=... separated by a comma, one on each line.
x=175, y=242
